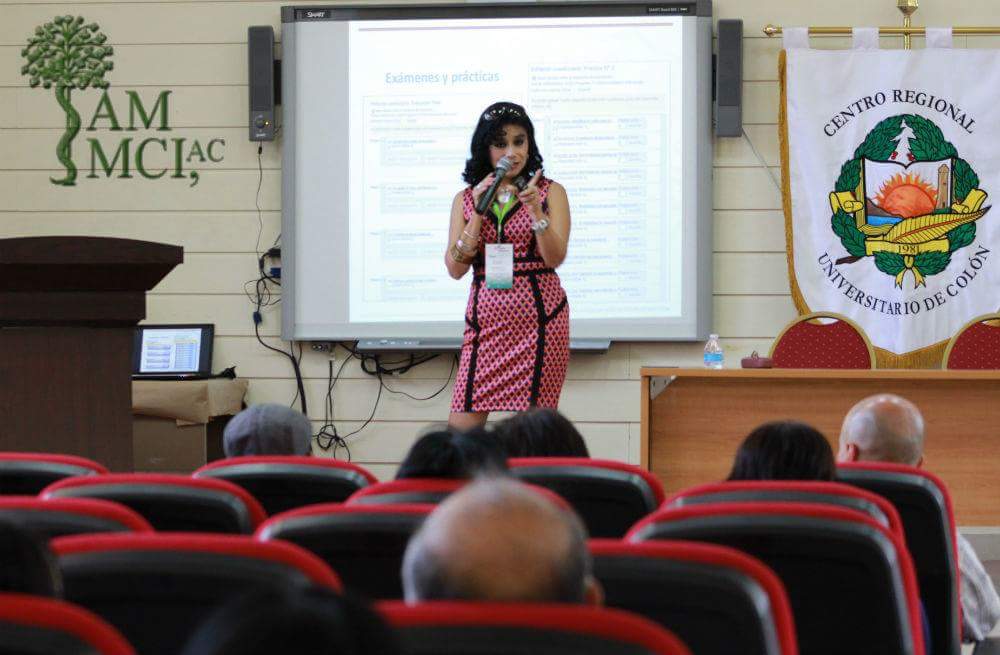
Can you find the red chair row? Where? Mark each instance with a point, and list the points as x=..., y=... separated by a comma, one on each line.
x=328, y=530
x=50, y=627
x=155, y=588
x=609, y=495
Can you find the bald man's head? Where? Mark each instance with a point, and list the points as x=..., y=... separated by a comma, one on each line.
x=883, y=428
x=498, y=540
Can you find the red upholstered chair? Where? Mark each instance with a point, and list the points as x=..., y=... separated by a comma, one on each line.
x=794, y=491
x=157, y=588
x=364, y=543
x=26, y=474
x=849, y=579
x=284, y=482
x=60, y=517
x=171, y=502
x=43, y=626
x=609, y=496
x=925, y=507
x=716, y=599
x=436, y=628
x=408, y=491
x=26, y=563
x=808, y=343
x=976, y=345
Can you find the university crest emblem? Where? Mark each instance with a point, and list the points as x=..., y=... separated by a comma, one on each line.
x=906, y=199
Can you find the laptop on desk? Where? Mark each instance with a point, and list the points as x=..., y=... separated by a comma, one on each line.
x=172, y=352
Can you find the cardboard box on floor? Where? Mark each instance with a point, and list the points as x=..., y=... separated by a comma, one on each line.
x=177, y=425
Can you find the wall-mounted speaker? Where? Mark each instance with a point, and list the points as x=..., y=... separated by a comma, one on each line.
x=261, y=70
x=729, y=79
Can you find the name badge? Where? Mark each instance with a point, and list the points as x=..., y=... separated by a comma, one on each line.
x=499, y=265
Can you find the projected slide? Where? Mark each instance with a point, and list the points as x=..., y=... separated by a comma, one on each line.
x=605, y=97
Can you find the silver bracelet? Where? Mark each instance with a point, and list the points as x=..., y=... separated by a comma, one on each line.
x=540, y=226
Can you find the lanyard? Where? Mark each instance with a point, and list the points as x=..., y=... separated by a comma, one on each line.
x=501, y=214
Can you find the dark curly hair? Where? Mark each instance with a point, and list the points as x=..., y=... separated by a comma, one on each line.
x=784, y=450
x=493, y=119
x=453, y=454
x=541, y=432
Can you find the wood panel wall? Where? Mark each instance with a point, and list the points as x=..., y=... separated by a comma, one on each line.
x=197, y=49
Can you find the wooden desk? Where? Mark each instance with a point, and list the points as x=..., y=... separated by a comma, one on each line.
x=694, y=419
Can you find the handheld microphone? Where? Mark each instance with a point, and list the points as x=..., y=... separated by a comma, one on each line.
x=503, y=167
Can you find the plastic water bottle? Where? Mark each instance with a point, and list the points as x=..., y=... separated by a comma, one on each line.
x=713, y=352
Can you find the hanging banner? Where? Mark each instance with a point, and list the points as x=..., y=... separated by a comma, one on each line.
x=890, y=167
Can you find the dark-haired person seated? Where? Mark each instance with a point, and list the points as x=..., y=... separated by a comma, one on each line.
x=498, y=540
x=540, y=432
x=784, y=450
x=790, y=450
x=453, y=454
x=268, y=429
x=889, y=428
x=294, y=621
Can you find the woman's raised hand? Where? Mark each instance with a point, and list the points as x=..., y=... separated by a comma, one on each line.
x=481, y=188
x=531, y=197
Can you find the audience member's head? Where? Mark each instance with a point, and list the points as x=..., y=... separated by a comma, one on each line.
x=26, y=563
x=268, y=429
x=498, y=540
x=784, y=450
x=883, y=428
x=453, y=454
x=293, y=621
x=541, y=432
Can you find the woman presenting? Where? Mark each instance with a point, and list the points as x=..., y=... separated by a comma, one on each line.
x=516, y=344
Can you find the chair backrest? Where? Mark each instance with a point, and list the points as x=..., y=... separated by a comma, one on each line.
x=26, y=563
x=30, y=625
x=609, y=496
x=156, y=588
x=171, y=502
x=925, y=508
x=61, y=517
x=849, y=579
x=409, y=491
x=807, y=343
x=716, y=599
x=450, y=628
x=975, y=346
x=284, y=482
x=364, y=543
x=792, y=491
x=26, y=474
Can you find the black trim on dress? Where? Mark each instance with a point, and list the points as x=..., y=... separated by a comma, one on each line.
x=481, y=274
x=473, y=322
x=536, y=376
x=555, y=312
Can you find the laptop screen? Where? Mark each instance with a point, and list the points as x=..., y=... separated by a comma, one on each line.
x=168, y=349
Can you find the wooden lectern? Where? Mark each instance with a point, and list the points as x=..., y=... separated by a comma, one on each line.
x=68, y=306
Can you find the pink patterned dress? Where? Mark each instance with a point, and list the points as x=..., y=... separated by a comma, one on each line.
x=516, y=344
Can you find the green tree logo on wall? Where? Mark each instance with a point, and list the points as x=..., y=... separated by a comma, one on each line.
x=67, y=54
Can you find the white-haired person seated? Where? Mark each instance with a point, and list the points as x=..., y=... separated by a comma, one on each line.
x=498, y=540
x=889, y=428
x=268, y=429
